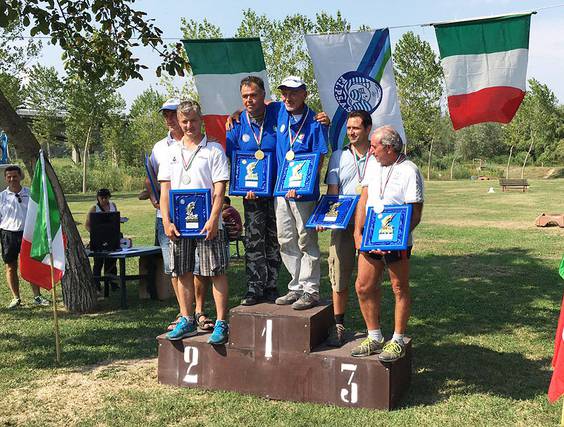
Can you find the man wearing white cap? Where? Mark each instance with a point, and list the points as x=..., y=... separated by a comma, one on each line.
x=158, y=155
x=298, y=132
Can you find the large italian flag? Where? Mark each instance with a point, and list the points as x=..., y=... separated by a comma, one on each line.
x=218, y=66
x=43, y=233
x=485, y=67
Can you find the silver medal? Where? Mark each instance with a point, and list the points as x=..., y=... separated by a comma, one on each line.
x=378, y=206
x=186, y=179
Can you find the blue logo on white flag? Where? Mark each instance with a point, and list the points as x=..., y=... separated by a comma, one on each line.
x=357, y=91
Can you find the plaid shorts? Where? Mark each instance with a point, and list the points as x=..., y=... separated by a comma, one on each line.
x=213, y=255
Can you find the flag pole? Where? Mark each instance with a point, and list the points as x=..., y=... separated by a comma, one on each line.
x=55, y=315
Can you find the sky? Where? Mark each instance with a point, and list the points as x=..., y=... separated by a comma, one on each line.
x=546, y=47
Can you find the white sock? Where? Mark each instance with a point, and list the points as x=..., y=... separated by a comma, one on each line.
x=376, y=334
x=398, y=337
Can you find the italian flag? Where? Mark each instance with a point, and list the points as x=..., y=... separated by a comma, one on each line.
x=43, y=233
x=485, y=67
x=218, y=66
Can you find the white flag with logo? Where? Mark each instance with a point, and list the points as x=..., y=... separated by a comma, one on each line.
x=354, y=71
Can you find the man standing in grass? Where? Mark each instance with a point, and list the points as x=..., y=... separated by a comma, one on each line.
x=13, y=209
x=344, y=176
x=197, y=164
x=255, y=132
x=298, y=132
x=159, y=154
x=391, y=179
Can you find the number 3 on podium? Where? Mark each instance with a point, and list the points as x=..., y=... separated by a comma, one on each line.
x=353, y=392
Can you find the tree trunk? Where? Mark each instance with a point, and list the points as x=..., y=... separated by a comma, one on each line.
x=527, y=157
x=452, y=167
x=75, y=156
x=508, y=161
x=85, y=159
x=78, y=293
x=429, y=162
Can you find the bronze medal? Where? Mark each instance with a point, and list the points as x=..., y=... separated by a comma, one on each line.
x=358, y=189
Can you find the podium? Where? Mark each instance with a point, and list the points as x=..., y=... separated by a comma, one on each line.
x=278, y=353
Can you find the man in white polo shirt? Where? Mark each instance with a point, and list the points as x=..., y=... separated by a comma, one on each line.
x=158, y=155
x=344, y=176
x=391, y=179
x=13, y=209
x=197, y=164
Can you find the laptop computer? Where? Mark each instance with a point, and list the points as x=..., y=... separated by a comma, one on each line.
x=104, y=231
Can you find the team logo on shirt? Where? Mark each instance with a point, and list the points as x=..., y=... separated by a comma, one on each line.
x=357, y=91
x=301, y=137
x=246, y=137
x=282, y=128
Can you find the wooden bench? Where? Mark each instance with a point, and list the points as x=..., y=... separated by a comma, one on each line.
x=507, y=183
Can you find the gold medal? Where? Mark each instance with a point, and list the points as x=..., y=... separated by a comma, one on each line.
x=290, y=155
x=259, y=154
x=358, y=189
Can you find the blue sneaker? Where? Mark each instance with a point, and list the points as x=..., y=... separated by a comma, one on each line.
x=184, y=328
x=220, y=333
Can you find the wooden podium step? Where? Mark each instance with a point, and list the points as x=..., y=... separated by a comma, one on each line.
x=284, y=371
x=278, y=329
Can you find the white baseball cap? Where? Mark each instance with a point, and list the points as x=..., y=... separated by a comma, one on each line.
x=292, y=82
x=170, y=104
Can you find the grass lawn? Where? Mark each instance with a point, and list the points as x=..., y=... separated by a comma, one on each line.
x=486, y=297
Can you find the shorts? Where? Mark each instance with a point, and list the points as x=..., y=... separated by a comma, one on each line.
x=162, y=240
x=212, y=255
x=11, y=245
x=342, y=258
x=393, y=256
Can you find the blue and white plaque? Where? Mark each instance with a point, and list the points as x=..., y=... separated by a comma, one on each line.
x=333, y=211
x=251, y=174
x=298, y=174
x=387, y=230
x=190, y=210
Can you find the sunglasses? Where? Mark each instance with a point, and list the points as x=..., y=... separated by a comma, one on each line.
x=18, y=197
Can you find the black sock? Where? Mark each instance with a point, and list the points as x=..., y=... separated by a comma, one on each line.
x=340, y=318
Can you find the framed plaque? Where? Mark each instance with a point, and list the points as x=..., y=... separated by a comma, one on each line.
x=298, y=174
x=333, y=211
x=189, y=211
x=388, y=230
x=250, y=174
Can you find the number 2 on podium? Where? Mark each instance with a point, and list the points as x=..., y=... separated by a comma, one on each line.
x=191, y=357
x=353, y=392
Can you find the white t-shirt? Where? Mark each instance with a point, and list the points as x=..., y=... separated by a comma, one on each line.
x=12, y=212
x=160, y=154
x=405, y=184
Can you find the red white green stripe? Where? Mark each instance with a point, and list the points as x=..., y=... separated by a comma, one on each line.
x=218, y=66
x=485, y=67
x=43, y=233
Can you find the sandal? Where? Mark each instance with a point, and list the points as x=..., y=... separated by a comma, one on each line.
x=172, y=324
x=204, y=322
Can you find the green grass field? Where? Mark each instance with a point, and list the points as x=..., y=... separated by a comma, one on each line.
x=486, y=297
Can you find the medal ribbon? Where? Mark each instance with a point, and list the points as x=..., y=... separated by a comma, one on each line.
x=187, y=166
x=259, y=139
x=292, y=140
x=400, y=159
x=357, y=161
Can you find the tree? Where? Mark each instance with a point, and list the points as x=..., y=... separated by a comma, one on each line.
x=97, y=38
x=45, y=94
x=420, y=86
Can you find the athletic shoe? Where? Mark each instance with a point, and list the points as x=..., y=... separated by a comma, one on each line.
x=367, y=347
x=183, y=329
x=220, y=333
x=289, y=298
x=39, y=300
x=270, y=295
x=393, y=350
x=16, y=302
x=250, y=298
x=336, y=336
x=305, y=301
